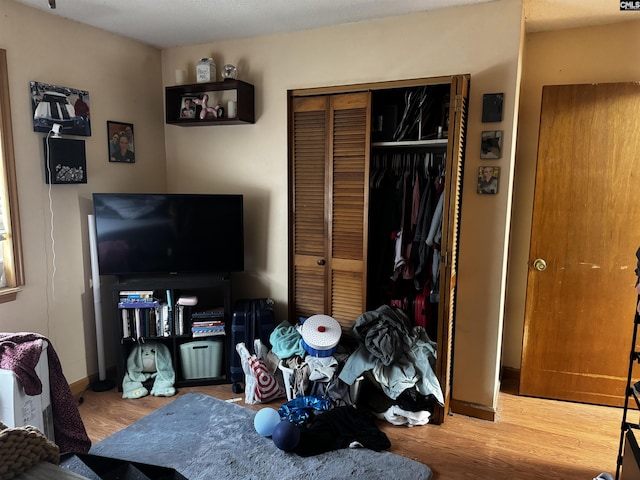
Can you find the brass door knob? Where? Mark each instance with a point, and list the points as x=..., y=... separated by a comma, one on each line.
x=539, y=264
x=321, y=261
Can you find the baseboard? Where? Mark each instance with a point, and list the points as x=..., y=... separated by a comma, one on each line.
x=510, y=374
x=79, y=387
x=509, y=378
x=472, y=410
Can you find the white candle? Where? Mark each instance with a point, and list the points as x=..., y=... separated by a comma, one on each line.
x=232, y=109
x=181, y=76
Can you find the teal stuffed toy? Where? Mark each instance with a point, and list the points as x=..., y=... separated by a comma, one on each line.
x=146, y=361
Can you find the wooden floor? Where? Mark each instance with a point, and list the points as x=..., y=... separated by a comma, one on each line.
x=531, y=438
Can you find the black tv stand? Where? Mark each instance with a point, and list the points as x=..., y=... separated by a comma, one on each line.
x=213, y=292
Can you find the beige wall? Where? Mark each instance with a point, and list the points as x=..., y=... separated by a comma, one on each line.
x=483, y=40
x=121, y=77
x=584, y=55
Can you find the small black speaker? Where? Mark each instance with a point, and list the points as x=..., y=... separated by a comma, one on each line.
x=65, y=160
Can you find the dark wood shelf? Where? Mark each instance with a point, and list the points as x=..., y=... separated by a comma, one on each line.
x=244, y=96
x=211, y=289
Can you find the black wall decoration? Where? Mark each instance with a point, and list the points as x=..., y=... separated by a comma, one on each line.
x=492, y=107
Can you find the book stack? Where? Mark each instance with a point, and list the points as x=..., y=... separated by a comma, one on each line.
x=208, y=323
x=139, y=314
x=137, y=299
x=144, y=316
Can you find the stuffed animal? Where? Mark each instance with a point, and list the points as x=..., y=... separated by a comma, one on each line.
x=206, y=110
x=151, y=360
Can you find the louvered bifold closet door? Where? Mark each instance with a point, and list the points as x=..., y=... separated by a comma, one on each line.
x=451, y=225
x=349, y=164
x=308, y=186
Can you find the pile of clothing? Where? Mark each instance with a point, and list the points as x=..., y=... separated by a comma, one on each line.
x=398, y=359
x=390, y=360
x=307, y=374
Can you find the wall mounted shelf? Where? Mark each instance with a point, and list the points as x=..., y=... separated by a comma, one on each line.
x=219, y=92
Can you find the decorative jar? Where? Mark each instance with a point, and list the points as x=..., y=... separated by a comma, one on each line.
x=205, y=70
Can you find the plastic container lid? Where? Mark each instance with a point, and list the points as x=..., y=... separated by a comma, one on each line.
x=320, y=335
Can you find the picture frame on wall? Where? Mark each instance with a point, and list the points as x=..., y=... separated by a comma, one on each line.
x=492, y=107
x=188, y=107
x=491, y=145
x=120, y=141
x=488, y=180
x=65, y=160
x=54, y=104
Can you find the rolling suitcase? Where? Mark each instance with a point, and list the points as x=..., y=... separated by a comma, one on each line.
x=251, y=319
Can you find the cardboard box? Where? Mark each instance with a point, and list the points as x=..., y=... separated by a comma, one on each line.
x=18, y=409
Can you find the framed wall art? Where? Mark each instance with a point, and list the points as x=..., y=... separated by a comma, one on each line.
x=488, y=178
x=188, y=107
x=491, y=145
x=65, y=160
x=492, y=107
x=68, y=107
x=121, y=142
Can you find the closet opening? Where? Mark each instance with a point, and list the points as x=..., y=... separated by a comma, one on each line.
x=409, y=130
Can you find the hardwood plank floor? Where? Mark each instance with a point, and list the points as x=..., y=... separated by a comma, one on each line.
x=531, y=438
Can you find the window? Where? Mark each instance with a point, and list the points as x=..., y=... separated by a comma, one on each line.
x=11, y=263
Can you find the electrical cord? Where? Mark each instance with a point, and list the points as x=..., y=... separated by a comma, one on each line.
x=81, y=397
x=53, y=241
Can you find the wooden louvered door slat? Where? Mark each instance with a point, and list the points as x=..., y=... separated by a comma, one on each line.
x=308, y=280
x=450, y=228
x=348, y=184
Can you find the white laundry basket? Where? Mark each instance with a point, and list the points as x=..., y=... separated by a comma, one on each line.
x=287, y=374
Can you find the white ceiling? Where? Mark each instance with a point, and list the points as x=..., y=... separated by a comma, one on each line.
x=171, y=23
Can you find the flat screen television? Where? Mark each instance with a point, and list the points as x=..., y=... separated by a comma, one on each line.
x=161, y=234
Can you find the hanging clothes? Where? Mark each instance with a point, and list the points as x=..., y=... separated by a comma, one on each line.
x=405, y=190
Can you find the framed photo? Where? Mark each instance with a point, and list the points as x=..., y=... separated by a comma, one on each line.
x=68, y=107
x=120, y=142
x=492, y=107
x=491, y=145
x=488, y=178
x=188, y=107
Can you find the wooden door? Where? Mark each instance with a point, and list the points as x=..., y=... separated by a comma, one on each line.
x=586, y=228
x=329, y=165
x=348, y=206
x=450, y=228
x=307, y=193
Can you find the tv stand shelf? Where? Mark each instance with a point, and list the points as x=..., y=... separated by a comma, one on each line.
x=213, y=291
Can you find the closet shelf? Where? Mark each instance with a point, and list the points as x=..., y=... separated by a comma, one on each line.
x=439, y=142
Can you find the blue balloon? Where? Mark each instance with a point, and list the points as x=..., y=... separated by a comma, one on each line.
x=286, y=436
x=265, y=421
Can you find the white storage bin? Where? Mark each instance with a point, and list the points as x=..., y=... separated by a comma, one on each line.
x=201, y=359
x=287, y=374
x=18, y=409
